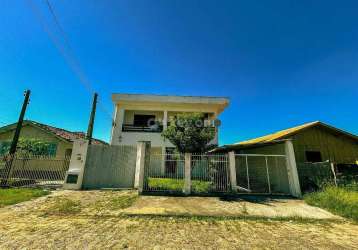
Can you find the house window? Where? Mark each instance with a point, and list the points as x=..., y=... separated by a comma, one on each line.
x=68, y=153
x=4, y=147
x=313, y=156
x=144, y=120
x=51, y=150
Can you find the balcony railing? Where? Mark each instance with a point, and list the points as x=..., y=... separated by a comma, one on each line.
x=150, y=129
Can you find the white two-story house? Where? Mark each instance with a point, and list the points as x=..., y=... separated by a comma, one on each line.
x=143, y=117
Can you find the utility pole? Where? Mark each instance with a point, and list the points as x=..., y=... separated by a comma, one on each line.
x=15, y=139
x=19, y=123
x=91, y=120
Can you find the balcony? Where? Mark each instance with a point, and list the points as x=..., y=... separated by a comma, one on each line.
x=156, y=128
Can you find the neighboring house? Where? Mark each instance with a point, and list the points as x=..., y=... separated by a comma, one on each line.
x=60, y=140
x=313, y=142
x=143, y=117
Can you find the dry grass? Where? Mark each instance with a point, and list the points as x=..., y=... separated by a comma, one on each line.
x=26, y=227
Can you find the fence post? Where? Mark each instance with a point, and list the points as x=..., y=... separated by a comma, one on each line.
x=74, y=175
x=334, y=173
x=293, y=179
x=187, y=174
x=143, y=158
x=232, y=167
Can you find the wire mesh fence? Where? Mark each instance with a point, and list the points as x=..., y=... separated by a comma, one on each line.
x=210, y=173
x=164, y=173
x=263, y=174
x=314, y=176
x=33, y=170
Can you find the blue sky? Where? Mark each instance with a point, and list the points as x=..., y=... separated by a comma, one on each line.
x=282, y=63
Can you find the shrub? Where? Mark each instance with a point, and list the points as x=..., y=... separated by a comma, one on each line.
x=178, y=184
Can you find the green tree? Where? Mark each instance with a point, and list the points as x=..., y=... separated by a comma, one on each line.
x=30, y=146
x=188, y=133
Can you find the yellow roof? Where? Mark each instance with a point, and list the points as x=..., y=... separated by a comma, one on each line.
x=277, y=135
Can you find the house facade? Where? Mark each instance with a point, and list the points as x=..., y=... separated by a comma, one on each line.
x=315, y=144
x=143, y=117
x=60, y=141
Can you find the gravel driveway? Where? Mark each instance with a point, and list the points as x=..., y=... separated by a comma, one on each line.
x=100, y=220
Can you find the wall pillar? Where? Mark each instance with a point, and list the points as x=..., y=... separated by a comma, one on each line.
x=187, y=174
x=74, y=175
x=165, y=119
x=232, y=169
x=293, y=179
x=117, y=126
x=143, y=158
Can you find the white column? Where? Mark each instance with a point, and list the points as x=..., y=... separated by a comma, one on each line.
x=187, y=174
x=232, y=168
x=74, y=175
x=142, y=162
x=293, y=179
x=117, y=127
x=165, y=119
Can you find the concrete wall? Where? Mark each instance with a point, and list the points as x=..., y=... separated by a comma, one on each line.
x=124, y=114
x=31, y=132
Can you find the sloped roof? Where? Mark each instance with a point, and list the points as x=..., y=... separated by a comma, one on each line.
x=281, y=135
x=58, y=132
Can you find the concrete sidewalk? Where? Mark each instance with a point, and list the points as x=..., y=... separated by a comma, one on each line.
x=214, y=206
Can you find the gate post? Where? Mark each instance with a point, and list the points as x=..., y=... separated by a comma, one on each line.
x=187, y=174
x=232, y=169
x=143, y=158
x=74, y=175
x=293, y=179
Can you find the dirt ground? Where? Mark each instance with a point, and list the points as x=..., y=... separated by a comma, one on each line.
x=99, y=220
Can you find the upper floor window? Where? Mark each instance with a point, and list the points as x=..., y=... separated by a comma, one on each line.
x=144, y=120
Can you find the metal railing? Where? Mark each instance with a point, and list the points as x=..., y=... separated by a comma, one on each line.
x=32, y=170
x=165, y=173
x=210, y=173
x=150, y=129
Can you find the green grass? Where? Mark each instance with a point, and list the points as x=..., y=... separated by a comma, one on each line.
x=338, y=200
x=178, y=184
x=63, y=206
x=11, y=196
x=122, y=201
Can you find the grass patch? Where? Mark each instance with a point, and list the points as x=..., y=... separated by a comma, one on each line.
x=11, y=196
x=177, y=185
x=338, y=200
x=115, y=202
x=123, y=201
x=64, y=206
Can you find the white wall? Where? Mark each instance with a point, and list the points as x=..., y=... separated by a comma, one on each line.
x=124, y=113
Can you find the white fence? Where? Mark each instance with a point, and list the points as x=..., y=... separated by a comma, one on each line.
x=211, y=173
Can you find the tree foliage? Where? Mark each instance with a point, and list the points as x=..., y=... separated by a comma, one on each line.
x=188, y=133
x=29, y=146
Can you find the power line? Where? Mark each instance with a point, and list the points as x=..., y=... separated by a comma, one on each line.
x=68, y=54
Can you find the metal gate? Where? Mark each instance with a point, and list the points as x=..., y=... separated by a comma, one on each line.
x=262, y=174
x=110, y=167
x=164, y=173
x=210, y=173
